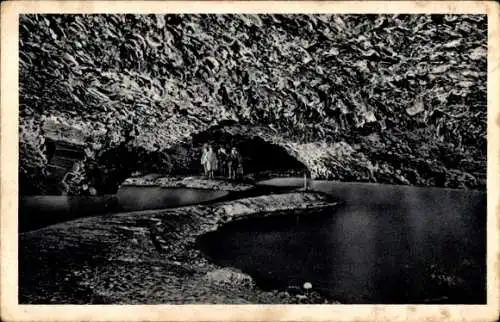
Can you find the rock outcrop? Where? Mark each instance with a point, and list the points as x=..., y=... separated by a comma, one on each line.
x=188, y=182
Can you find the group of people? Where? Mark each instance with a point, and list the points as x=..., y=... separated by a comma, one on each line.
x=221, y=163
x=226, y=164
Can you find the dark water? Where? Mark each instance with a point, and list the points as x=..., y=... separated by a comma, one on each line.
x=133, y=198
x=386, y=244
x=39, y=211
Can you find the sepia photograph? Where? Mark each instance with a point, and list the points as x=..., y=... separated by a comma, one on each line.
x=252, y=158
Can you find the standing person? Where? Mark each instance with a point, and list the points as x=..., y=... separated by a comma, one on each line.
x=306, y=181
x=211, y=162
x=230, y=165
x=204, y=152
x=239, y=165
x=222, y=155
x=235, y=164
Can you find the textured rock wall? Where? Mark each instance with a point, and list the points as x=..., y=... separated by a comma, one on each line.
x=399, y=96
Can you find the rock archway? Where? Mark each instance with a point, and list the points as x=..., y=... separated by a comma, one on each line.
x=261, y=157
x=265, y=153
x=105, y=171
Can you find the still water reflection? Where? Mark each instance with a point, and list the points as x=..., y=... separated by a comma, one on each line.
x=134, y=198
x=39, y=211
x=386, y=244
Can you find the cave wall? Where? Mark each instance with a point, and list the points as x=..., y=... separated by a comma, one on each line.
x=381, y=98
x=265, y=153
x=105, y=167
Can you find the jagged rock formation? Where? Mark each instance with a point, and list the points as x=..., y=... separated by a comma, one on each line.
x=394, y=99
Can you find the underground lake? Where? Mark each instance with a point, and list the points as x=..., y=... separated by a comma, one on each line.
x=39, y=211
x=382, y=244
x=385, y=244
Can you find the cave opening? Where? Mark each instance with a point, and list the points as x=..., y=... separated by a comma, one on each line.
x=112, y=166
x=261, y=159
x=115, y=165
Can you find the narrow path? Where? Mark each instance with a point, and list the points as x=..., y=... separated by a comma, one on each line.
x=137, y=194
x=114, y=259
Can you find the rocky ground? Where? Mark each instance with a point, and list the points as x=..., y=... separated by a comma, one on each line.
x=149, y=257
x=195, y=182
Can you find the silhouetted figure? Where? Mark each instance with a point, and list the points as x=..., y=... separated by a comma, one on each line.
x=204, y=152
x=223, y=158
x=235, y=164
x=307, y=183
x=211, y=161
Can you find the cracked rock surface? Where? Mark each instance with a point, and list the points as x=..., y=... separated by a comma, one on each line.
x=379, y=98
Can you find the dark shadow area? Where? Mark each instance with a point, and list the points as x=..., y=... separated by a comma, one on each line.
x=39, y=269
x=115, y=165
x=36, y=212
